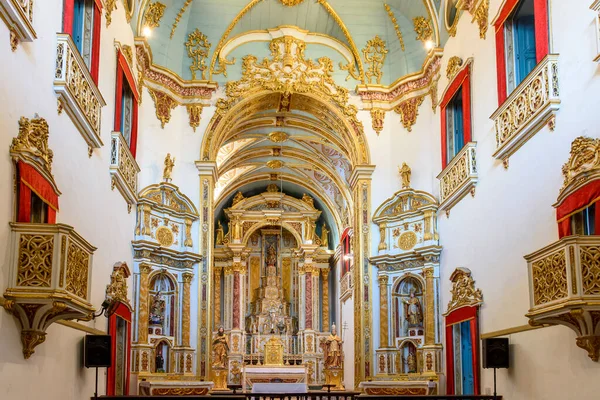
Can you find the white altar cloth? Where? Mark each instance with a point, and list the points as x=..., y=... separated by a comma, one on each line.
x=279, y=388
x=254, y=374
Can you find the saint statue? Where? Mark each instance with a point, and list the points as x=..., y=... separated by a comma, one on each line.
x=220, y=349
x=168, y=170
x=413, y=311
x=308, y=200
x=333, y=350
x=159, y=362
x=157, y=310
x=324, y=236
x=237, y=229
x=220, y=233
x=237, y=198
x=405, y=175
x=271, y=255
x=411, y=361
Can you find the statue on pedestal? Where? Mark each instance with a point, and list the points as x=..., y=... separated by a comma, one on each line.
x=220, y=350
x=168, y=170
x=414, y=313
x=157, y=310
x=220, y=234
x=324, y=236
x=405, y=175
x=333, y=350
x=411, y=361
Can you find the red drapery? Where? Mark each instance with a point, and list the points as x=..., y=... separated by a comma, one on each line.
x=461, y=80
x=31, y=180
x=455, y=317
x=123, y=312
x=124, y=72
x=577, y=201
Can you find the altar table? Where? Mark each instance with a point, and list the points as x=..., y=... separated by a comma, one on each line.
x=273, y=374
x=279, y=388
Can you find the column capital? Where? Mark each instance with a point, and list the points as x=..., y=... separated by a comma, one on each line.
x=383, y=280
x=324, y=272
x=187, y=277
x=361, y=172
x=145, y=268
x=428, y=272
x=207, y=168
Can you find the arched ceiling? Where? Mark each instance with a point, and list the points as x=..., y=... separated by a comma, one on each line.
x=335, y=28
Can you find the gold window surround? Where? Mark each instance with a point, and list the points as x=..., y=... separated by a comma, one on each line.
x=533, y=104
x=123, y=169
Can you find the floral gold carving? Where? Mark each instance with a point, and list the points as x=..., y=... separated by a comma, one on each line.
x=278, y=136
x=584, y=158
x=194, y=113
x=178, y=17
x=290, y=3
x=237, y=198
x=109, y=7
x=116, y=290
x=395, y=23
x=33, y=139
x=154, y=14
x=223, y=64
x=164, y=105
x=590, y=269
x=165, y=236
x=407, y=240
x=374, y=54
x=392, y=391
x=35, y=260
x=377, y=118
x=275, y=164
x=423, y=29
x=454, y=64
x=197, y=50
x=77, y=271
x=481, y=16
x=409, y=110
x=463, y=290
x=180, y=391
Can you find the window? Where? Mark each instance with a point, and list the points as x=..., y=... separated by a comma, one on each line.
x=39, y=210
x=583, y=222
x=82, y=20
x=456, y=114
x=126, y=104
x=37, y=200
x=462, y=347
x=521, y=42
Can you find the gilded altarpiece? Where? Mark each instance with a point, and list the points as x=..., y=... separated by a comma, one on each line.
x=407, y=260
x=165, y=271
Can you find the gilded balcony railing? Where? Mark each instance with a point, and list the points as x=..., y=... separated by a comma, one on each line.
x=49, y=278
x=18, y=15
x=531, y=105
x=123, y=169
x=459, y=177
x=564, y=288
x=77, y=92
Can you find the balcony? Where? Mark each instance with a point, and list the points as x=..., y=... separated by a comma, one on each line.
x=564, y=288
x=50, y=274
x=530, y=106
x=596, y=7
x=77, y=92
x=18, y=15
x=123, y=169
x=459, y=177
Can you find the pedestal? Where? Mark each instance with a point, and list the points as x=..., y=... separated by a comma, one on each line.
x=220, y=378
x=334, y=377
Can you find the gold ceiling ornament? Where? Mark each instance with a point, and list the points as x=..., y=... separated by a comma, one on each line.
x=409, y=110
x=377, y=117
x=275, y=164
x=154, y=14
x=308, y=200
x=163, y=104
x=223, y=63
x=395, y=23
x=194, y=113
x=278, y=136
x=272, y=188
x=198, y=47
x=463, y=291
x=454, y=64
x=128, y=53
x=481, y=16
x=374, y=53
x=584, y=161
x=178, y=17
x=109, y=7
x=423, y=29
x=32, y=143
x=351, y=68
x=290, y=3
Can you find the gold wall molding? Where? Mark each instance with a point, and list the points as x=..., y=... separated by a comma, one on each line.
x=395, y=23
x=109, y=7
x=409, y=110
x=164, y=104
x=198, y=46
x=154, y=14
x=454, y=64
x=374, y=53
x=194, y=113
x=179, y=15
x=377, y=118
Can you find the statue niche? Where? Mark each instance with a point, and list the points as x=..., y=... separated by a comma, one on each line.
x=408, y=305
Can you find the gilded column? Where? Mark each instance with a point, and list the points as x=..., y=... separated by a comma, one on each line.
x=237, y=293
x=383, y=311
x=145, y=270
x=429, y=307
x=325, y=276
x=309, y=297
x=315, y=297
x=301, y=298
x=217, y=291
x=228, y=298
x=185, y=318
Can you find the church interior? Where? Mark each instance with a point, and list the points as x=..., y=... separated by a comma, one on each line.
x=371, y=197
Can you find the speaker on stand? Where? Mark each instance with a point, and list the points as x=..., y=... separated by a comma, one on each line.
x=97, y=352
x=495, y=355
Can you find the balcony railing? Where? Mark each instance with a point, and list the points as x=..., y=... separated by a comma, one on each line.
x=564, y=288
x=77, y=92
x=459, y=177
x=49, y=278
x=123, y=168
x=18, y=15
x=531, y=105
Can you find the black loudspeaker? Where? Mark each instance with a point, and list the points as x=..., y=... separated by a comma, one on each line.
x=97, y=351
x=495, y=353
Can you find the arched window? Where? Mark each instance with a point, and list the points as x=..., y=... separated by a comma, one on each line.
x=162, y=306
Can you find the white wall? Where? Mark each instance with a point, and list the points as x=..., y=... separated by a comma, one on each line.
x=87, y=203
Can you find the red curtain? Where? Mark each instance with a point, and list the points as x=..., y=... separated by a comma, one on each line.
x=30, y=180
x=540, y=11
x=577, y=201
x=123, y=312
x=95, y=65
x=461, y=80
x=450, y=389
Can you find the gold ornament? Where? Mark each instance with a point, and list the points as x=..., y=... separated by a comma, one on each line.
x=77, y=271
x=290, y=3
x=165, y=236
x=409, y=110
x=275, y=164
x=178, y=17
x=163, y=104
x=454, y=64
x=237, y=198
x=423, y=29
x=109, y=7
x=168, y=169
x=278, y=137
x=154, y=14
x=395, y=23
x=407, y=240
x=377, y=117
x=481, y=16
x=405, y=173
x=374, y=54
x=197, y=49
x=223, y=63
x=584, y=160
x=463, y=290
x=32, y=142
x=194, y=113
x=116, y=290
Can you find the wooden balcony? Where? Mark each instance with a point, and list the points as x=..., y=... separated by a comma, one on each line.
x=77, y=93
x=123, y=169
x=564, y=288
x=529, y=107
x=459, y=177
x=50, y=274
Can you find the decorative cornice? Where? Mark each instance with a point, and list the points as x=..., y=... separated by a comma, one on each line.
x=164, y=105
x=409, y=110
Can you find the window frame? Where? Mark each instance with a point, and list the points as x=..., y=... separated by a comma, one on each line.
x=575, y=202
x=461, y=81
x=125, y=77
x=123, y=312
x=29, y=181
x=463, y=314
x=542, y=39
x=68, y=19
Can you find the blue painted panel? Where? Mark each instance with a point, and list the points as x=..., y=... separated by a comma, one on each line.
x=78, y=18
x=525, y=57
x=468, y=381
